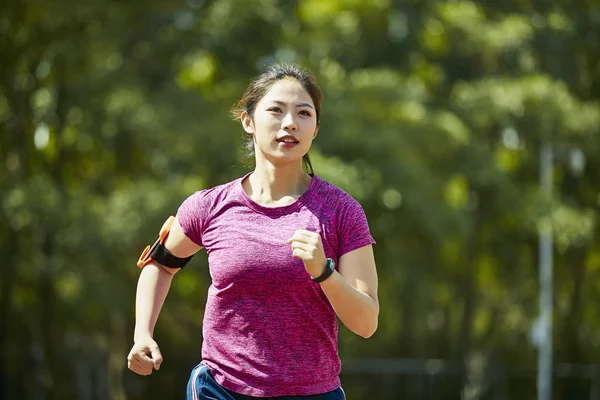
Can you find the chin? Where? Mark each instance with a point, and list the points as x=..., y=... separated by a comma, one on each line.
x=283, y=160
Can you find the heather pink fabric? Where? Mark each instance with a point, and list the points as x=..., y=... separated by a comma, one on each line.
x=268, y=329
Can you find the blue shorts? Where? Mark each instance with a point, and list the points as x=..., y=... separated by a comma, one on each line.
x=202, y=386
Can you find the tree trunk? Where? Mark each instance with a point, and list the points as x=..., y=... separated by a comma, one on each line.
x=47, y=316
x=6, y=277
x=468, y=288
x=116, y=356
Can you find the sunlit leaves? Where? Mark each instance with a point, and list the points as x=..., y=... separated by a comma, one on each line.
x=573, y=227
x=69, y=287
x=453, y=126
x=434, y=38
x=198, y=69
x=354, y=178
x=506, y=159
x=481, y=34
x=548, y=102
x=320, y=12
x=560, y=21
x=456, y=192
x=432, y=118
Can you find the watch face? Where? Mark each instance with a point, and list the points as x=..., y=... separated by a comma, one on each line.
x=329, y=269
x=330, y=264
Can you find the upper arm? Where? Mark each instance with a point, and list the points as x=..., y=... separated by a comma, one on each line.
x=179, y=244
x=358, y=268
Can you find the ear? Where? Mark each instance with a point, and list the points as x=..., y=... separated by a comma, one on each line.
x=316, y=132
x=247, y=122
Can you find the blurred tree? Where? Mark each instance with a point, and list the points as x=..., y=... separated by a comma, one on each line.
x=112, y=113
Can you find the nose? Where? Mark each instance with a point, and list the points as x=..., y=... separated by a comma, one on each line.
x=289, y=122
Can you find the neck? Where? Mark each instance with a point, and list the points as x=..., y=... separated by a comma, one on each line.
x=270, y=185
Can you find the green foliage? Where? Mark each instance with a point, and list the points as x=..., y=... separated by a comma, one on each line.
x=112, y=113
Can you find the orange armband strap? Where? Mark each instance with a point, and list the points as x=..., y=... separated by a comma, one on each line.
x=159, y=253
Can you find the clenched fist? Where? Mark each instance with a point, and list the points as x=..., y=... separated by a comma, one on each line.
x=307, y=246
x=143, y=357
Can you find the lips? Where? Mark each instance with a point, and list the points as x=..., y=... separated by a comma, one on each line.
x=287, y=139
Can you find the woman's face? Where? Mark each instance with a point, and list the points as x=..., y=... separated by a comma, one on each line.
x=284, y=123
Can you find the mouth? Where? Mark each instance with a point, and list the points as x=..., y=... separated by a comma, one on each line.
x=287, y=139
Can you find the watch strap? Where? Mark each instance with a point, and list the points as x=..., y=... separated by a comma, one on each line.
x=329, y=269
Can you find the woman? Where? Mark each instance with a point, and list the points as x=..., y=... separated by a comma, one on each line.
x=287, y=252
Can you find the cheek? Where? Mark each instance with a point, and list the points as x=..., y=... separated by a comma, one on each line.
x=311, y=130
x=266, y=124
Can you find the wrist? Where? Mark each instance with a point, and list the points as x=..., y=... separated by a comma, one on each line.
x=327, y=271
x=142, y=336
x=332, y=280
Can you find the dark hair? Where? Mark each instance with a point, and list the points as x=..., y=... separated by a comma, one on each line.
x=259, y=87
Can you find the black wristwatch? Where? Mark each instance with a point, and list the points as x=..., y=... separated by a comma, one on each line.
x=329, y=269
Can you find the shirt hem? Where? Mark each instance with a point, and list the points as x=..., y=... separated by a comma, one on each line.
x=289, y=390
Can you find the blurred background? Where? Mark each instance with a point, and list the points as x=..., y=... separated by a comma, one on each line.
x=469, y=132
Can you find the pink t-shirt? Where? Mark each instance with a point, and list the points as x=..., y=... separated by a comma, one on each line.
x=269, y=330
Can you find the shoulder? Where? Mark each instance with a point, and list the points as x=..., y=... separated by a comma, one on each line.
x=336, y=200
x=206, y=199
x=333, y=194
x=347, y=215
x=217, y=193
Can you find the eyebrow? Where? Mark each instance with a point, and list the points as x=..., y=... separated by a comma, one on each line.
x=297, y=105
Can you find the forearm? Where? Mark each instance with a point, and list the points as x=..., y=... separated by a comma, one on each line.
x=153, y=287
x=356, y=309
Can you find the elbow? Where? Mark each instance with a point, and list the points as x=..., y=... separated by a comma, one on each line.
x=368, y=326
x=367, y=331
x=364, y=321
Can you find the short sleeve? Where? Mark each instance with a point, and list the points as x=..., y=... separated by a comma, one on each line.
x=353, y=227
x=193, y=214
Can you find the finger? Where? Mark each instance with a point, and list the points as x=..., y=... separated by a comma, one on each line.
x=142, y=364
x=140, y=371
x=143, y=357
x=134, y=353
x=142, y=361
x=138, y=367
x=156, y=356
x=300, y=245
x=311, y=237
x=311, y=249
x=301, y=254
x=305, y=232
x=299, y=237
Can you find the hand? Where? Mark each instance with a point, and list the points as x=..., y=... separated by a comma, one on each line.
x=307, y=246
x=144, y=356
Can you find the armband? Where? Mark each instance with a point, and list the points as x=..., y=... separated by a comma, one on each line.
x=159, y=253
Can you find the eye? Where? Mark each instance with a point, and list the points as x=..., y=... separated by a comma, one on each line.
x=305, y=113
x=274, y=109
